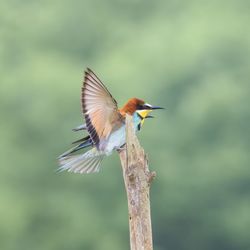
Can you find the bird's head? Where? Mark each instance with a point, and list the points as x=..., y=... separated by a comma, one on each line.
x=140, y=107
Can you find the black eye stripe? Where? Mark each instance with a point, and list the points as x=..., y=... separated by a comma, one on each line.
x=143, y=107
x=140, y=107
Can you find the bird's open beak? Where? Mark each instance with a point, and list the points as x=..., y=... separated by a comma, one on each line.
x=147, y=106
x=156, y=107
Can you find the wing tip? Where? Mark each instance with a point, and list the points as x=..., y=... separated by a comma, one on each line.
x=89, y=69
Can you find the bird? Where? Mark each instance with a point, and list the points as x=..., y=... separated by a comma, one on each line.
x=105, y=126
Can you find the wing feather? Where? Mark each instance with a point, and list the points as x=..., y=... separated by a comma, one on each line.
x=99, y=108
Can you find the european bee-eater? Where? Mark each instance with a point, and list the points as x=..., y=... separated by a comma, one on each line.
x=105, y=124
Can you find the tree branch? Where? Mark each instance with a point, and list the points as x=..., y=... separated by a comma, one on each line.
x=137, y=179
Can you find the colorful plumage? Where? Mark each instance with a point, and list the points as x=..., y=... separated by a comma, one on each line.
x=105, y=125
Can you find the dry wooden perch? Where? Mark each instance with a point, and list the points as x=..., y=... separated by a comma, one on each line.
x=137, y=179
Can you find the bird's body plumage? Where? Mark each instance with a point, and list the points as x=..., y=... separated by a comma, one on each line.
x=105, y=124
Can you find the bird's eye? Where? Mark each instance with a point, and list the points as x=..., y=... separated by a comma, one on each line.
x=140, y=107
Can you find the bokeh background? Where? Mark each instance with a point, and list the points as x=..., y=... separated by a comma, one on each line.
x=191, y=57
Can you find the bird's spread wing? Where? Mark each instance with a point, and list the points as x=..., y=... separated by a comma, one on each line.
x=99, y=108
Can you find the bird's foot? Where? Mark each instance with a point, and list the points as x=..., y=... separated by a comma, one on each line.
x=121, y=148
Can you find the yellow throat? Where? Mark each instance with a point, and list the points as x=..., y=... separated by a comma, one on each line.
x=143, y=113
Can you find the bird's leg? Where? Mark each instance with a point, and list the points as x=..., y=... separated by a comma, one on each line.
x=121, y=148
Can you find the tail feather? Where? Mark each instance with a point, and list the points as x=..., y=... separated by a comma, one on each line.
x=86, y=163
x=87, y=138
x=86, y=143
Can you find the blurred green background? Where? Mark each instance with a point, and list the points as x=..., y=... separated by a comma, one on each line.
x=191, y=57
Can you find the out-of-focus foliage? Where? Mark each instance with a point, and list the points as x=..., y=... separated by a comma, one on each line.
x=191, y=57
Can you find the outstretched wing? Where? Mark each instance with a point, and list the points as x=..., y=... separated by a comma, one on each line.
x=99, y=108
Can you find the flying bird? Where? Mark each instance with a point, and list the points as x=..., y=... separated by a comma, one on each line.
x=105, y=125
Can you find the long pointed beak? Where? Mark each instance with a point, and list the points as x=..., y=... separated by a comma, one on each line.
x=156, y=107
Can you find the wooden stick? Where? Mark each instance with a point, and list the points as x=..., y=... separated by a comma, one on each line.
x=137, y=179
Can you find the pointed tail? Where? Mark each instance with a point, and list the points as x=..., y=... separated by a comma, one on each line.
x=85, y=142
x=85, y=163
